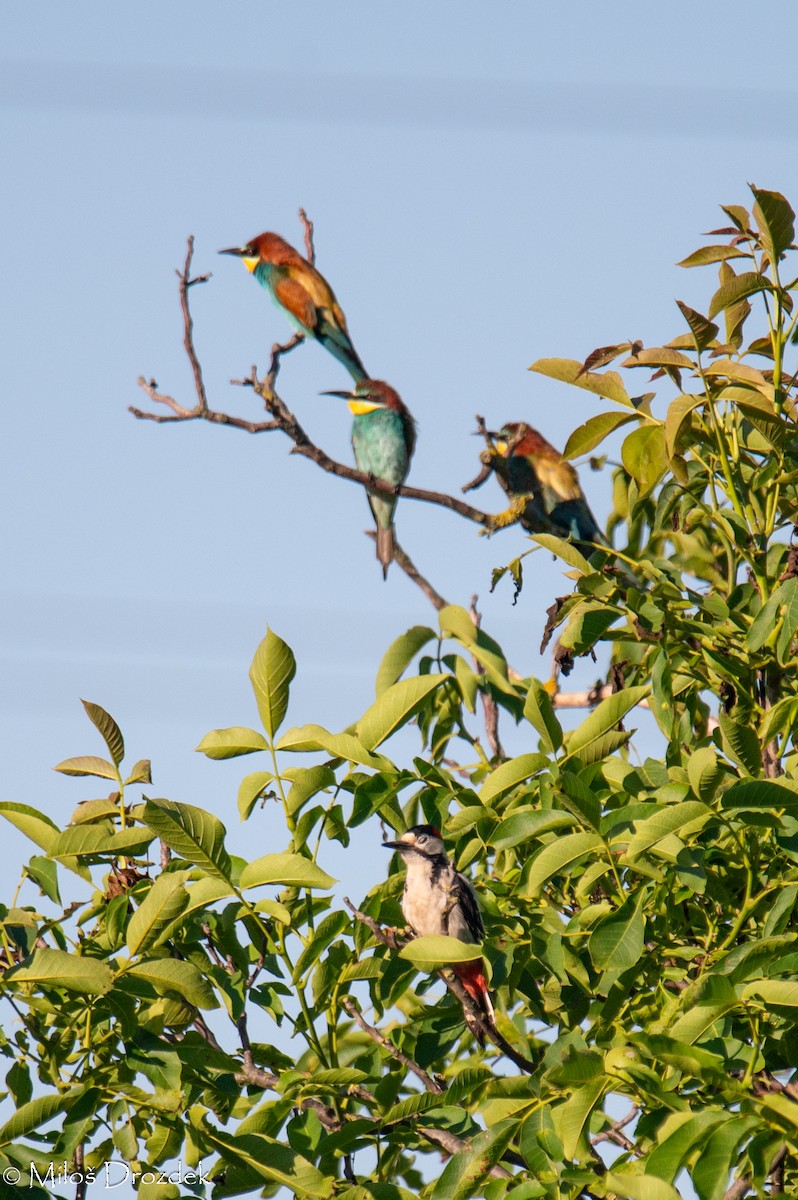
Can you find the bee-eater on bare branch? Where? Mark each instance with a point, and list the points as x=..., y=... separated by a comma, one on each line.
x=302, y=293
x=527, y=465
x=383, y=439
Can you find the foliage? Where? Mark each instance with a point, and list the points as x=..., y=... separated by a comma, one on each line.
x=641, y=928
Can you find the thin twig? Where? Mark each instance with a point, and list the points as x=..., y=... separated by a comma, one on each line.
x=405, y=563
x=310, y=249
x=380, y=1038
x=489, y=706
x=741, y=1187
x=187, y=282
x=613, y=1132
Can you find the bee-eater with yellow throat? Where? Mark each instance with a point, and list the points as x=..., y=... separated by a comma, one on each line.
x=302, y=293
x=383, y=439
x=529, y=466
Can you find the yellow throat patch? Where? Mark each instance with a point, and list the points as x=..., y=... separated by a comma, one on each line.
x=359, y=407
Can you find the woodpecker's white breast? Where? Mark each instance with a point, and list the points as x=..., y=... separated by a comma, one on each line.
x=430, y=904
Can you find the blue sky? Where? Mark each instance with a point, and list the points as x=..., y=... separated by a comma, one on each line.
x=490, y=184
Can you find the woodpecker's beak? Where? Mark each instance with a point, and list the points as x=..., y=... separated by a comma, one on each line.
x=393, y=845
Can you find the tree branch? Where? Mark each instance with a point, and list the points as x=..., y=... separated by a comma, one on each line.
x=489, y=706
x=380, y=1038
x=405, y=563
x=282, y=418
x=613, y=1133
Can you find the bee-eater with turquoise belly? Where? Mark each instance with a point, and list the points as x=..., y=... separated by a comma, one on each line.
x=302, y=293
x=383, y=439
x=530, y=466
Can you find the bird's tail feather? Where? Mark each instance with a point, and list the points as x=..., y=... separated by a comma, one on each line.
x=338, y=343
x=385, y=548
x=472, y=977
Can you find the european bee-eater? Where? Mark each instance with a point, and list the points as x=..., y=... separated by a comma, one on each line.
x=530, y=466
x=383, y=439
x=302, y=293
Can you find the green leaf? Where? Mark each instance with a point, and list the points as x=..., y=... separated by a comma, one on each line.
x=710, y=1174
x=710, y=254
x=558, y=855
x=272, y=670
x=334, y=924
x=703, y=331
x=78, y=840
x=586, y=625
x=776, y=221
x=737, y=289
x=394, y=708
x=231, y=743
x=762, y=794
x=307, y=782
x=616, y=943
x=604, y=718
x=400, y=654
x=340, y=745
x=704, y=772
x=44, y=872
x=687, y=817
x=420, y=1103
x=56, y=968
x=111, y=733
x=741, y=744
x=678, y=412
x=783, y=993
x=523, y=826
x=88, y=764
x=564, y=550
x=702, y=1004
x=33, y=1116
x=162, y=904
x=644, y=456
x=170, y=976
x=507, y=776
x=192, y=833
x=270, y=1160
x=571, y=1117
x=250, y=789
x=436, y=951
x=681, y=1137
x=586, y=437
x=467, y=1170
x=608, y=384
x=34, y=824
x=141, y=773
x=635, y=1186
x=291, y=870
x=539, y=711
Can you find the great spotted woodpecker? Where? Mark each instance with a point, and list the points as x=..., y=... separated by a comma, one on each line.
x=436, y=900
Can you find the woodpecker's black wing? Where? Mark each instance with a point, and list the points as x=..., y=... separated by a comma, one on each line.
x=469, y=907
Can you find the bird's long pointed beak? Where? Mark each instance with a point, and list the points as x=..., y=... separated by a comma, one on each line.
x=236, y=251
x=341, y=396
x=392, y=845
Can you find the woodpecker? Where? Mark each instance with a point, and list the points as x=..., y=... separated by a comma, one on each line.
x=437, y=900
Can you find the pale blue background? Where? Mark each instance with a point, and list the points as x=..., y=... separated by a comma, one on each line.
x=490, y=183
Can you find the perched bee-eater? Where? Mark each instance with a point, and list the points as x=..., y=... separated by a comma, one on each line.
x=383, y=439
x=302, y=293
x=530, y=466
